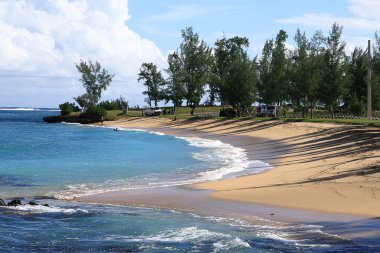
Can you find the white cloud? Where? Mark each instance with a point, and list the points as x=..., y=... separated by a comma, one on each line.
x=45, y=39
x=365, y=16
x=185, y=11
x=367, y=9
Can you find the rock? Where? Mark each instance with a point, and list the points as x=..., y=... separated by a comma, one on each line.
x=14, y=202
x=46, y=205
x=32, y=203
x=2, y=203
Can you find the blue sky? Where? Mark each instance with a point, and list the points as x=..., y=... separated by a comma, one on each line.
x=42, y=40
x=162, y=21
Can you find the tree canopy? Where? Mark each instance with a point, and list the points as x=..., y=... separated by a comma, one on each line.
x=316, y=73
x=95, y=80
x=153, y=80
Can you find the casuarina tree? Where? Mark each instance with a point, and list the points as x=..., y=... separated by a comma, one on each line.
x=153, y=80
x=95, y=80
x=335, y=63
x=195, y=58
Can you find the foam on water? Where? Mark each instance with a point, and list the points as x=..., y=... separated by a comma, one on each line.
x=234, y=160
x=220, y=160
x=78, y=161
x=44, y=209
x=191, y=235
x=19, y=109
x=231, y=244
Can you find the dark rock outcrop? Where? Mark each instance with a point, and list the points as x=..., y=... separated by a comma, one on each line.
x=61, y=118
x=14, y=202
x=32, y=203
x=2, y=203
x=82, y=119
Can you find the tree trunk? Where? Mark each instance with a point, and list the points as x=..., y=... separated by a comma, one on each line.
x=312, y=110
x=304, y=111
x=212, y=99
x=278, y=110
x=332, y=112
x=192, y=110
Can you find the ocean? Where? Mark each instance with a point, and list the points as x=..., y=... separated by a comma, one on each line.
x=54, y=163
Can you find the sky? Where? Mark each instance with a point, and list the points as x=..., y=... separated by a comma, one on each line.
x=42, y=40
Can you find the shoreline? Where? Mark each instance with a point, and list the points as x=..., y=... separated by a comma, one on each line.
x=298, y=152
x=329, y=165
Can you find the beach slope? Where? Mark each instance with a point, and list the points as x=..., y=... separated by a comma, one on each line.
x=321, y=167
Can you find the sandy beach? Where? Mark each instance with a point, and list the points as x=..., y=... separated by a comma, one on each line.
x=321, y=167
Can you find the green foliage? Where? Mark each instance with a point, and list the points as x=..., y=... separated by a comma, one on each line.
x=95, y=80
x=234, y=74
x=227, y=112
x=84, y=101
x=67, y=108
x=94, y=114
x=175, y=89
x=265, y=72
x=376, y=73
x=355, y=97
x=195, y=60
x=118, y=104
x=153, y=80
x=331, y=89
x=274, y=66
x=356, y=107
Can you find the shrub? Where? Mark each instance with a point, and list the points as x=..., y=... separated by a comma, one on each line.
x=66, y=108
x=227, y=112
x=93, y=114
x=356, y=107
x=118, y=104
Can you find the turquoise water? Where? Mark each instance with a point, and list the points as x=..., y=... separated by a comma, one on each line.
x=49, y=163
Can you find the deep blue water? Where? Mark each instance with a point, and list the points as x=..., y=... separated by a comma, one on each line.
x=48, y=163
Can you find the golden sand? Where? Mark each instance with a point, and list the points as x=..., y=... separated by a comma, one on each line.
x=325, y=167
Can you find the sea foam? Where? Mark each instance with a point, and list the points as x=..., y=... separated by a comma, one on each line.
x=44, y=209
x=234, y=161
x=219, y=160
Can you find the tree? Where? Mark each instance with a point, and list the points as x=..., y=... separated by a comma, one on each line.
x=227, y=52
x=356, y=96
x=95, y=80
x=300, y=73
x=195, y=58
x=153, y=80
x=235, y=72
x=305, y=70
x=317, y=51
x=67, y=108
x=265, y=72
x=376, y=73
x=331, y=89
x=274, y=67
x=213, y=83
x=175, y=90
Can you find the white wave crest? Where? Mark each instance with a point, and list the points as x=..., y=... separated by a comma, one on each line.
x=224, y=242
x=233, y=161
x=219, y=160
x=226, y=245
x=187, y=234
x=45, y=209
x=19, y=109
